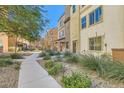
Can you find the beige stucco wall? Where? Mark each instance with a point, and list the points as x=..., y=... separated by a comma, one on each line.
x=67, y=26
x=74, y=28
x=111, y=28
x=4, y=39
x=61, y=38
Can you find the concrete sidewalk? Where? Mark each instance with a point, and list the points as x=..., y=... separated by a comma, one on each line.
x=32, y=75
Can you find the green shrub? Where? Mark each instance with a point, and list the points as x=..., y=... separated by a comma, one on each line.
x=115, y=72
x=67, y=53
x=58, y=58
x=105, y=67
x=90, y=61
x=49, y=64
x=55, y=69
x=5, y=62
x=76, y=80
x=50, y=52
x=42, y=54
x=47, y=57
x=17, y=66
x=73, y=59
x=57, y=53
x=106, y=55
x=5, y=56
x=16, y=56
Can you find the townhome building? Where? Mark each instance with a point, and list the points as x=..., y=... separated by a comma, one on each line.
x=8, y=43
x=67, y=27
x=61, y=34
x=101, y=28
x=51, y=39
x=75, y=28
x=3, y=42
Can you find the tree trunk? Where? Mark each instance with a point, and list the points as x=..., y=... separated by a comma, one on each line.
x=16, y=44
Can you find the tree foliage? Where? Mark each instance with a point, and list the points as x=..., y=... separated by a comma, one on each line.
x=24, y=21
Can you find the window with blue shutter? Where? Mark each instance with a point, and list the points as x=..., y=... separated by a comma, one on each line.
x=95, y=16
x=98, y=14
x=83, y=21
x=91, y=15
x=74, y=8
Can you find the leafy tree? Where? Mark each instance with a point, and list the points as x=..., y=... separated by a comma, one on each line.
x=23, y=21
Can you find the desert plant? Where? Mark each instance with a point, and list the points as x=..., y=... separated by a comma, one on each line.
x=16, y=56
x=57, y=58
x=115, y=72
x=17, y=66
x=48, y=64
x=50, y=52
x=4, y=56
x=5, y=62
x=106, y=55
x=67, y=53
x=42, y=54
x=73, y=59
x=76, y=80
x=90, y=61
x=57, y=53
x=55, y=69
x=104, y=66
x=47, y=57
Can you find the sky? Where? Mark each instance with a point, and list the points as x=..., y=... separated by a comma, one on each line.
x=53, y=14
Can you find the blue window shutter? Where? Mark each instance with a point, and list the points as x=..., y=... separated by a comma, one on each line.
x=98, y=13
x=83, y=21
x=91, y=18
x=74, y=8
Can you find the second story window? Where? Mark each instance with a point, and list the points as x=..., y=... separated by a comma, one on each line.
x=95, y=16
x=83, y=22
x=98, y=14
x=91, y=17
x=60, y=23
x=74, y=8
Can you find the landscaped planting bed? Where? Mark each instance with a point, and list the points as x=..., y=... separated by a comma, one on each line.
x=9, y=72
x=102, y=70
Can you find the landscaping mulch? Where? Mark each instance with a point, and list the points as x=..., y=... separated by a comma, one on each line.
x=9, y=76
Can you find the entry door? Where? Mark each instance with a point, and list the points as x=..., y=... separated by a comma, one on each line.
x=74, y=46
x=60, y=46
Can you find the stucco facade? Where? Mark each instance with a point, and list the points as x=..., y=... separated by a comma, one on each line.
x=67, y=27
x=51, y=39
x=110, y=28
x=3, y=42
x=61, y=34
x=7, y=42
x=74, y=29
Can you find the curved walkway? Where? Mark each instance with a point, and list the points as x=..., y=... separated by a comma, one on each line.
x=32, y=75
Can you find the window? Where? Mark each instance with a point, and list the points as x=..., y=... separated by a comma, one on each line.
x=83, y=21
x=61, y=34
x=91, y=18
x=98, y=14
x=74, y=8
x=95, y=16
x=95, y=43
x=60, y=23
